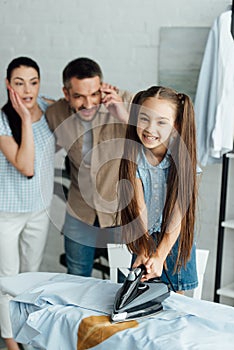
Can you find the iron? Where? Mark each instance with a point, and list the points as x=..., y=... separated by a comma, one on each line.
x=136, y=300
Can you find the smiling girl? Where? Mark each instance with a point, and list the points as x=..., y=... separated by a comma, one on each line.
x=158, y=200
x=27, y=149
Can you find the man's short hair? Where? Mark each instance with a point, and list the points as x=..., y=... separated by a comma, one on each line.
x=81, y=68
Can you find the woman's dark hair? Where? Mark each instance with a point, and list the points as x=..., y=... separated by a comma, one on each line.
x=181, y=185
x=13, y=117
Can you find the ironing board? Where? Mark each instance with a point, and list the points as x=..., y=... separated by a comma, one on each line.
x=65, y=312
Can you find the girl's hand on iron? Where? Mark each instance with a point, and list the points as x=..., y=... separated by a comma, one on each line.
x=18, y=105
x=154, y=268
x=140, y=260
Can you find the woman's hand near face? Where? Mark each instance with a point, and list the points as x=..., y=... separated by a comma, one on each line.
x=18, y=105
x=20, y=156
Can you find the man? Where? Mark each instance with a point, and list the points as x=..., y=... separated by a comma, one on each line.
x=90, y=124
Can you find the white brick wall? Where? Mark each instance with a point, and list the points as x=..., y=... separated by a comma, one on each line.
x=123, y=36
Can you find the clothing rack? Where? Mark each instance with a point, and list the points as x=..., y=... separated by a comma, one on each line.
x=232, y=21
x=225, y=291
x=228, y=290
x=222, y=212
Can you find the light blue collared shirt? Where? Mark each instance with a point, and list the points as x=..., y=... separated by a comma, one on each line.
x=154, y=181
x=48, y=317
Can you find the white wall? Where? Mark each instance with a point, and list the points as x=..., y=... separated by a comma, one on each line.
x=123, y=36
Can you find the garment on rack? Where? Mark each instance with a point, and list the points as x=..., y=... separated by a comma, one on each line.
x=214, y=107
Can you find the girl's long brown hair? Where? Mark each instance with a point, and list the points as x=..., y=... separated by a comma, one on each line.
x=181, y=186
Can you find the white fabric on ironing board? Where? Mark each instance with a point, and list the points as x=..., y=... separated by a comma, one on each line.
x=49, y=316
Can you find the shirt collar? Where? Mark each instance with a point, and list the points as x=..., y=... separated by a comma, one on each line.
x=142, y=161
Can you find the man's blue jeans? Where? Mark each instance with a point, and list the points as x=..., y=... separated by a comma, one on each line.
x=81, y=240
x=79, y=245
x=79, y=258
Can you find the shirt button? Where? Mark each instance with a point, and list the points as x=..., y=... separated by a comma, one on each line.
x=31, y=318
x=155, y=185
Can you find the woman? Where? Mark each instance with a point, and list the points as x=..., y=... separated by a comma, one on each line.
x=27, y=149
